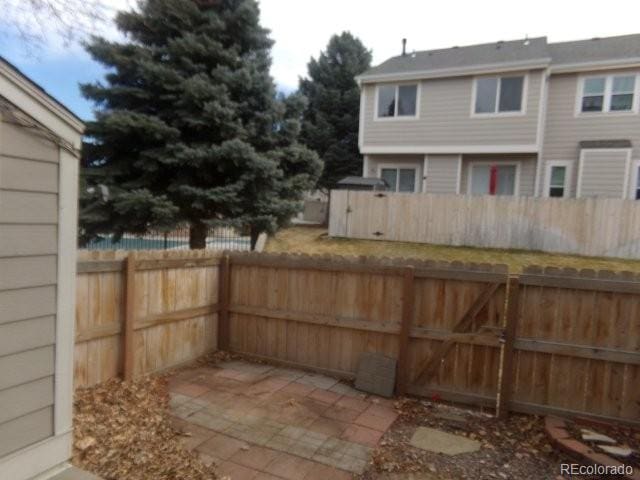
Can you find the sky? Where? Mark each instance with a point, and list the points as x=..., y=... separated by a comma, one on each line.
x=302, y=28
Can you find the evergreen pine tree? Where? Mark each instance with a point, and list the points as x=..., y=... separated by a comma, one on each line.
x=188, y=127
x=330, y=125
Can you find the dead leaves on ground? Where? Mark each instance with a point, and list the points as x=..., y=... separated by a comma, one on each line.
x=122, y=432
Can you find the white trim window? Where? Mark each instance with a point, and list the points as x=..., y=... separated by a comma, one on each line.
x=499, y=95
x=494, y=178
x=399, y=178
x=398, y=101
x=558, y=178
x=608, y=94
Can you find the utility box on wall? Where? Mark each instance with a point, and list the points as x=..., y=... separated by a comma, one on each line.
x=40, y=143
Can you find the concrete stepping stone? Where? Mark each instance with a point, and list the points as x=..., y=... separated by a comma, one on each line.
x=591, y=436
x=616, y=451
x=437, y=441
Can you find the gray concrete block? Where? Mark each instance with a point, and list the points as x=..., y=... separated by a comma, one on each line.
x=376, y=374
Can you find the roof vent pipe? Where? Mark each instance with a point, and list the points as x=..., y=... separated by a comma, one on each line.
x=404, y=47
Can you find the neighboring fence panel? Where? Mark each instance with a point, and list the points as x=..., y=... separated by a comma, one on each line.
x=578, y=343
x=605, y=227
x=175, y=311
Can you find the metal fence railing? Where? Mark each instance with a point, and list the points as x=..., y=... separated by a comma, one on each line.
x=178, y=239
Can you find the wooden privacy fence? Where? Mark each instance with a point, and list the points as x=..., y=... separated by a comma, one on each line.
x=549, y=340
x=144, y=312
x=606, y=227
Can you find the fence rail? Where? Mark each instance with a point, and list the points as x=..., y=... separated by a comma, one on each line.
x=603, y=227
x=549, y=340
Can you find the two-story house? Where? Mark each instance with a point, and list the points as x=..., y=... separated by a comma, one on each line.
x=522, y=117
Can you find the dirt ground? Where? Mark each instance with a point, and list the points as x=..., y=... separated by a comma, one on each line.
x=314, y=240
x=514, y=448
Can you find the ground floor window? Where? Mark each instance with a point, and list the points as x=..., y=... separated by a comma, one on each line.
x=399, y=179
x=558, y=175
x=493, y=179
x=637, y=192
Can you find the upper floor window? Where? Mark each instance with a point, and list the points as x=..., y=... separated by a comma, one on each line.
x=612, y=93
x=397, y=101
x=498, y=95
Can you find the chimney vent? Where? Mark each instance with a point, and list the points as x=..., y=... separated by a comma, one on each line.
x=404, y=47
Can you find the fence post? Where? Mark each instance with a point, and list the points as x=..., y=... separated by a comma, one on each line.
x=510, y=331
x=129, y=317
x=408, y=302
x=224, y=292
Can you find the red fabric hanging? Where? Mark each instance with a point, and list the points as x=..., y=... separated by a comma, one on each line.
x=493, y=180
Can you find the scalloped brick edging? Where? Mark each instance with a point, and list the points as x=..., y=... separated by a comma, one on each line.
x=556, y=429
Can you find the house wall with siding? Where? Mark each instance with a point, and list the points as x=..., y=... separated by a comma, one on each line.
x=604, y=173
x=445, y=118
x=442, y=174
x=564, y=128
x=29, y=167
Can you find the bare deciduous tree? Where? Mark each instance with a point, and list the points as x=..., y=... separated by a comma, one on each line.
x=35, y=22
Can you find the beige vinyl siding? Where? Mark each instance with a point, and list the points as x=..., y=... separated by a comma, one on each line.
x=414, y=161
x=22, y=174
x=42, y=239
x=526, y=165
x=442, y=173
x=25, y=430
x=26, y=398
x=445, y=118
x=21, y=272
x=20, y=142
x=603, y=173
x=27, y=303
x=28, y=334
x=28, y=207
x=564, y=129
x=28, y=277
x=26, y=366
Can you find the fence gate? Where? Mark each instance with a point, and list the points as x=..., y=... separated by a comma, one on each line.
x=458, y=327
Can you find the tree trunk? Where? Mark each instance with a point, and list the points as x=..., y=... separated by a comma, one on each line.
x=254, y=234
x=198, y=236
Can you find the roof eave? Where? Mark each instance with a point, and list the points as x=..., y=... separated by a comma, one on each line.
x=456, y=72
x=630, y=62
x=25, y=95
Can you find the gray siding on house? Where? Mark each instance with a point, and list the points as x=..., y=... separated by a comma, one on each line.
x=28, y=266
x=603, y=173
x=527, y=172
x=25, y=430
x=442, y=174
x=564, y=129
x=445, y=118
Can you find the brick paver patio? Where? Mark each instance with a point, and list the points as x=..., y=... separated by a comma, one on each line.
x=261, y=422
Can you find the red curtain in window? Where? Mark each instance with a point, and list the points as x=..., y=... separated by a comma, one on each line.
x=493, y=180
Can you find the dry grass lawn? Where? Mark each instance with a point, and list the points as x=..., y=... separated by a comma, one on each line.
x=314, y=240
